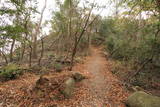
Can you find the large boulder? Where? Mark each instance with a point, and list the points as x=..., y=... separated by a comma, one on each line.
x=68, y=87
x=142, y=99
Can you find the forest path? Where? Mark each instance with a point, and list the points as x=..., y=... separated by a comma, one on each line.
x=105, y=89
x=97, y=83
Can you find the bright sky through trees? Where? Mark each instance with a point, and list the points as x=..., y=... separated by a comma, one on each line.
x=51, y=6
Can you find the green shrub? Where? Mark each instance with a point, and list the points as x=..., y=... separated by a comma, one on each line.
x=9, y=72
x=138, y=48
x=58, y=67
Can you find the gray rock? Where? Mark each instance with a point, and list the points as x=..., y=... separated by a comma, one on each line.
x=68, y=87
x=78, y=77
x=142, y=99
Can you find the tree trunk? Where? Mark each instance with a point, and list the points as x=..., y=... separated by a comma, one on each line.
x=37, y=32
x=30, y=56
x=34, y=52
x=23, y=51
x=5, y=58
x=42, y=51
x=73, y=56
x=89, y=40
x=11, y=50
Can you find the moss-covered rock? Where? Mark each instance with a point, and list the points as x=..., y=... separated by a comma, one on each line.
x=78, y=77
x=142, y=99
x=58, y=67
x=68, y=87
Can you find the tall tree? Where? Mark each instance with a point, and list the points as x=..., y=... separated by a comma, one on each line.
x=72, y=21
x=18, y=14
x=37, y=31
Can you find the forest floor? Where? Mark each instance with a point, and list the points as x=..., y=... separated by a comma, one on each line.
x=100, y=89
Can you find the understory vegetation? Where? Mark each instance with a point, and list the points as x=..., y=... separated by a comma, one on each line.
x=133, y=39
x=9, y=72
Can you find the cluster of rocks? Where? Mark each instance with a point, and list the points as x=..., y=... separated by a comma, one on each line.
x=64, y=84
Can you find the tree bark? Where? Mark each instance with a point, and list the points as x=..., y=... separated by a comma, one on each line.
x=42, y=51
x=37, y=32
x=5, y=58
x=30, y=56
x=11, y=50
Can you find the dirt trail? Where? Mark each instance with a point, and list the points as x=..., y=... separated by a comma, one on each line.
x=97, y=84
x=102, y=84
